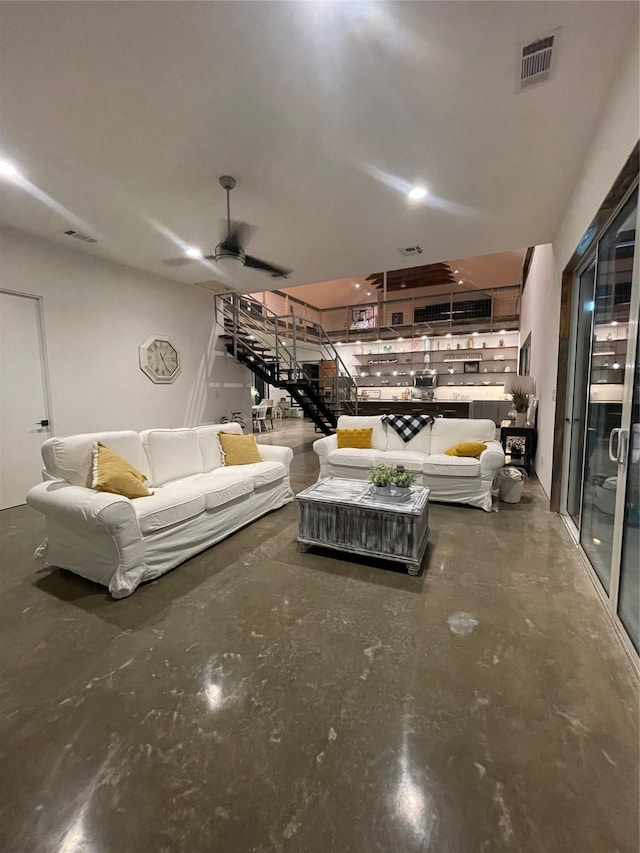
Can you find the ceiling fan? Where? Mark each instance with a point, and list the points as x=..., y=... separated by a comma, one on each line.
x=231, y=250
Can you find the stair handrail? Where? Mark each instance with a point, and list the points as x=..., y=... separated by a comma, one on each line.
x=263, y=316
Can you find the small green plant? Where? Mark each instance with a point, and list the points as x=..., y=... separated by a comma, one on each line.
x=403, y=478
x=520, y=399
x=380, y=474
x=383, y=475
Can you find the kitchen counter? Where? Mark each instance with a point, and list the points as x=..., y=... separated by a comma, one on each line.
x=494, y=410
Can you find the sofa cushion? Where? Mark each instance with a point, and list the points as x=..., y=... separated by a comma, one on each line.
x=379, y=433
x=167, y=507
x=173, y=454
x=411, y=461
x=445, y=432
x=238, y=449
x=360, y=438
x=472, y=449
x=420, y=443
x=218, y=487
x=112, y=473
x=353, y=457
x=70, y=457
x=263, y=473
x=441, y=465
x=209, y=444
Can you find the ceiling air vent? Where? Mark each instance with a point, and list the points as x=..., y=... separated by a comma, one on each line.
x=84, y=237
x=537, y=59
x=411, y=250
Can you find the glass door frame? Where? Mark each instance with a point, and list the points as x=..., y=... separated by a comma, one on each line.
x=610, y=600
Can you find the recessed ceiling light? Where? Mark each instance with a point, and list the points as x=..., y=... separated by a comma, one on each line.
x=417, y=193
x=193, y=252
x=614, y=322
x=368, y=293
x=475, y=334
x=460, y=281
x=8, y=170
x=356, y=284
x=448, y=335
x=358, y=342
x=339, y=343
x=502, y=332
x=455, y=272
x=424, y=337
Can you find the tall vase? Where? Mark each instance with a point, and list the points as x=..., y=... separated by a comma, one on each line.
x=521, y=419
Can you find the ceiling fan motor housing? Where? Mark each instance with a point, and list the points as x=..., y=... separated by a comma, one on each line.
x=226, y=256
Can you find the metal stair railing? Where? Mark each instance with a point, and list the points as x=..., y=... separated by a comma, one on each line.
x=255, y=331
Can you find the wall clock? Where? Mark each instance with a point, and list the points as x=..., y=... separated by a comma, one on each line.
x=159, y=359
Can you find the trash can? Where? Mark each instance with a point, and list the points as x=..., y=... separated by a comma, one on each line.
x=511, y=483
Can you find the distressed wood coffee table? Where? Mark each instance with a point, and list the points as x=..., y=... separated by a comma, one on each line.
x=341, y=514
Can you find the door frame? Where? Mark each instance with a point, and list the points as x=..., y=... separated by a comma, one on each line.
x=610, y=599
x=44, y=356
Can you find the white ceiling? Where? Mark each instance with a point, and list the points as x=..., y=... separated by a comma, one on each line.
x=123, y=115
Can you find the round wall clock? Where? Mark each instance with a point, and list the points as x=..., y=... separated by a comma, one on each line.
x=159, y=359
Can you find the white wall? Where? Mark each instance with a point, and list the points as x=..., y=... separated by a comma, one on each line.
x=96, y=314
x=540, y=316
x=613, y=142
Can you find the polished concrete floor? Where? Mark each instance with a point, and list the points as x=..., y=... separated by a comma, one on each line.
x=260, y=699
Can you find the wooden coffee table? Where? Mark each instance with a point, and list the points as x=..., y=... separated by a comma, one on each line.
x=341, y=514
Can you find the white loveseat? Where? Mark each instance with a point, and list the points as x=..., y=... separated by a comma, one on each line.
x=196, y=502
x=451, y=479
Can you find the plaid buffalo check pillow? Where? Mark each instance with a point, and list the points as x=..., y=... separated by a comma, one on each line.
x=407, y=426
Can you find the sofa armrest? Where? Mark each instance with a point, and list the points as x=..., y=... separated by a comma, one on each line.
x=276, y=453
x=324, y=446
x=61, y=501
x=492, y=459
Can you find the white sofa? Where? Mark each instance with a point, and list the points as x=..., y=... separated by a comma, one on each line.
x=196, y=502
x=450, y=478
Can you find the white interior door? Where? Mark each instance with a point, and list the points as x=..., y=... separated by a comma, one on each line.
x=23, y=398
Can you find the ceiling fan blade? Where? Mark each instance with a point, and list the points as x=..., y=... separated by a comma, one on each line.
x=238, y=237
x=257, y=264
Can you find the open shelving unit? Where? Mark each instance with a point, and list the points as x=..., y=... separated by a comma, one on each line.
x=396, y=363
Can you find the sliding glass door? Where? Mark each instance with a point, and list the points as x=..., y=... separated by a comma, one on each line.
x=603, y=423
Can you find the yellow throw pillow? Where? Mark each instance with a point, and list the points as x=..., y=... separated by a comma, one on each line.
x=360, y=438
x=467, y=448
x=239, y=449
x=112, y=473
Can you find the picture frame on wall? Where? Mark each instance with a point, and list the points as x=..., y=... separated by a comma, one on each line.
x=397, y=318
x=364, y=318
x=471, y=367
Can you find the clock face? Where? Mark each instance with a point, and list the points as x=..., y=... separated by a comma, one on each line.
x=159, y=360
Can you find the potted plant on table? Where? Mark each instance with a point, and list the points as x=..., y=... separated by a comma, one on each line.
x=388, y=481
x=520, y=400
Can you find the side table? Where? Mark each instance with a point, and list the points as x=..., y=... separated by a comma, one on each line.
x=519, y=444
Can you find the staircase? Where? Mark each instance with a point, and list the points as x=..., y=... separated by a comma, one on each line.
x=274, y=347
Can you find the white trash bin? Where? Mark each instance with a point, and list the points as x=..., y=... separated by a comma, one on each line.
x=511, y=483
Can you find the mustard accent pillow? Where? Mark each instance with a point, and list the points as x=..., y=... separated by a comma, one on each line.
x=360, y=438
x=238, y=449
x=112, y=473
x=467, y=448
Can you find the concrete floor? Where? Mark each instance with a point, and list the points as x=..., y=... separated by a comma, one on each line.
x=260, y=699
